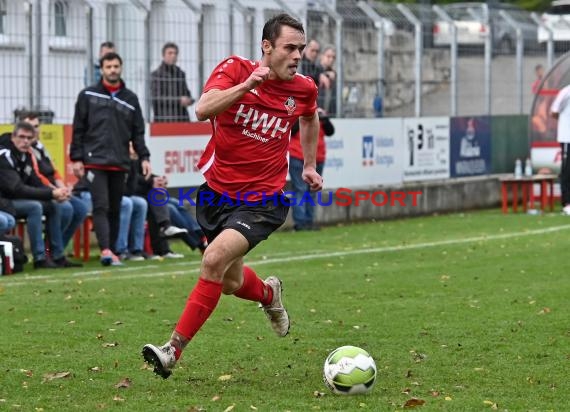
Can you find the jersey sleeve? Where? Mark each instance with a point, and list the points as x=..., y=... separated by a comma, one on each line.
x=313, y=92
x=224, y=76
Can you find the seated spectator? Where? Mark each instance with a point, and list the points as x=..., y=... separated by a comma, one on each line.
x=181, y=217
x=74, y=210
x=32, y=199
x=161, y=214
x=130, y=242
x=7, y=213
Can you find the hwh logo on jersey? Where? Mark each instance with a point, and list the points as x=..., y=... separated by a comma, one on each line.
x=260, y=119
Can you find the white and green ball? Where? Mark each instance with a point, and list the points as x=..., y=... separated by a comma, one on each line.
x=349, y=370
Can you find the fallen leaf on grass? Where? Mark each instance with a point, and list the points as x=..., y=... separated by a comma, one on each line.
x=413, y=402
x=434, y=393
x=117, y=398
x=448, y=398
x=110, y=344
x=216, y=398
x=253, y=408
x=27, y=372
x=118, y=322
x=125, y=383
x=229, y=408
x=544, y=311
x=56, y=375
x=95, y=369
x=196, y=409
x=492, y=404
x=224, y=378
x=318, y=394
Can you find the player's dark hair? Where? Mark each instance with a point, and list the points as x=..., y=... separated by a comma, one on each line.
x=110, y=56
x=169, y=45
x=272, y=27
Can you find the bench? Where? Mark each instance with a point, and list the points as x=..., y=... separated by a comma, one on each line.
x=526, y=183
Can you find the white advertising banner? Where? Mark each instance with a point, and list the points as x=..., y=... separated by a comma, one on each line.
x=426, y=148
x=364, y=152
x=176, y=149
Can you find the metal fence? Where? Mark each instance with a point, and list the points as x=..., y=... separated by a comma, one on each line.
x=391, y=59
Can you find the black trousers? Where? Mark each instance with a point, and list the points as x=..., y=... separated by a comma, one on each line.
x=107, y=188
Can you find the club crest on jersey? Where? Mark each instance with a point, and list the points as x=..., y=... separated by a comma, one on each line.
x=290, y=105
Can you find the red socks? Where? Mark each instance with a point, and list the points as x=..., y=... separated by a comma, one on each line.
x=254, y=288
x=200, y=305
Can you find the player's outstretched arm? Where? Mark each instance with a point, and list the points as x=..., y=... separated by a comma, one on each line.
x=215, y=101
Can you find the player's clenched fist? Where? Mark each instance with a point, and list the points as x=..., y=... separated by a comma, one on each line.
x=258, y=76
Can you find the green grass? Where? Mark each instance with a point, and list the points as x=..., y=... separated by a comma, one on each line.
x=456, y=310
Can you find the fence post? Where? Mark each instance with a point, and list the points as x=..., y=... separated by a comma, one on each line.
x=453, y=50
x=550, y=42
x=520, y=45
x=379, y=26
x=418, y=52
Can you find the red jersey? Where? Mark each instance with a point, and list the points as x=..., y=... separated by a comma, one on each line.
x=250, y=140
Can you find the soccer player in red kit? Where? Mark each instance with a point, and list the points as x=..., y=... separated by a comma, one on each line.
x=252, y=106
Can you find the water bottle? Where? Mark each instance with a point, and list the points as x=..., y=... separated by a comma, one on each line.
x=518, y=169
x=528, y=168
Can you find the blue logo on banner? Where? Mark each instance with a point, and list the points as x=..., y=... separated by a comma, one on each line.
x=367, y=150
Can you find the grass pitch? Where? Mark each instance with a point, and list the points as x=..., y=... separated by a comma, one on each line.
x=464, y=312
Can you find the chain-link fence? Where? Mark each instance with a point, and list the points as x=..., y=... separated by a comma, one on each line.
x=392, y=59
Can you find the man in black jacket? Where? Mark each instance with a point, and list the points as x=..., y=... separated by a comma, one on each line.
x=107, y=117
x=169, y=91
x=31, y=198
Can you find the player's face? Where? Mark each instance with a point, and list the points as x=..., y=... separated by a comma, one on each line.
x=111, y=71
x=283, y=58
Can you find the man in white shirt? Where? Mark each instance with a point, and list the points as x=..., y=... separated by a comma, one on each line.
x=560, y=110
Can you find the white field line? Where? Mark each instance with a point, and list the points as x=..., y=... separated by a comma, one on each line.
x=125, y=273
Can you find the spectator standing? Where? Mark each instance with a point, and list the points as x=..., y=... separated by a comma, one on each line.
x=241, y=157
x=310, y=66
x=94, y=75
x=327, y=95
x=303, y=207
x=32, y=199
x=169, y=92
x=107, y=117
x=560, y=110
x=539, y=73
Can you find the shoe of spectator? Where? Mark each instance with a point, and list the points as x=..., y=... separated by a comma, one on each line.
x=136, y=257
x=172, y=232
x=108, y=258
x=62, y=262
x=45, y=264
x=172, y=255
x=155, y=257
x=123, y=256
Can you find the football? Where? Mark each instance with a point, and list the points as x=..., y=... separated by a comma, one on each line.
x=349, y=370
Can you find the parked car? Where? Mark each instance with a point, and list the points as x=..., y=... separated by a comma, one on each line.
x=476, y=21
x=557, y=19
